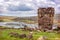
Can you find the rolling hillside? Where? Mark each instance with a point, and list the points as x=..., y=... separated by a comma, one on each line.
x=26, y=19
x=6, y=18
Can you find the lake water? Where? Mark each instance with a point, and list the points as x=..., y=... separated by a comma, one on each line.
x=17, y=24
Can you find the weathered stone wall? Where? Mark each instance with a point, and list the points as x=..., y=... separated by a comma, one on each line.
x=45, y=17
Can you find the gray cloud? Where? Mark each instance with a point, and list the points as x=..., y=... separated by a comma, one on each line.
x=19, y=8
x=6, y=0
x=14, y=6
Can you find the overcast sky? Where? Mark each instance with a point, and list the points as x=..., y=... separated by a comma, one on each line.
x=22, y=8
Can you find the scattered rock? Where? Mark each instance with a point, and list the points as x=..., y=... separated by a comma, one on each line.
x=13, y=34
x=49, y=31
x=30, y=36
x=58, y=32
x=22, y=36
x=42, y=38
x=38, y=31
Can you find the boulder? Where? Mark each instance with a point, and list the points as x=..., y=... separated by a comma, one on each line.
x=49, y=31
x=30, y=36
x=22, y=36
x=42, y=38
x=13, y=34
x=38, y=31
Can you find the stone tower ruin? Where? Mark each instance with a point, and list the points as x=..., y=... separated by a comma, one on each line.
x=45, y=17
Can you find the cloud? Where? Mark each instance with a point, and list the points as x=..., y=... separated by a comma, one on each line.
x=46, y=3
x=28, y=6
x=57, y=1
x=19, y=8
x=58, y=9
x=20, y=14
x=6, y=0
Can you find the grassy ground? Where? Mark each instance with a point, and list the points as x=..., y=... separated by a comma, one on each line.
x=4, y=35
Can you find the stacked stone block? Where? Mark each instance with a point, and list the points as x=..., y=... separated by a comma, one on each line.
x=45, y=17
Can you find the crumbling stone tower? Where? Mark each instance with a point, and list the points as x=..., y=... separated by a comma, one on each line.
x=45, y=17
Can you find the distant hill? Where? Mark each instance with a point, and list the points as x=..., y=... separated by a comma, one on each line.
x=33, y=18
x=7, y=17
x=13, y=18
x=29, y=20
